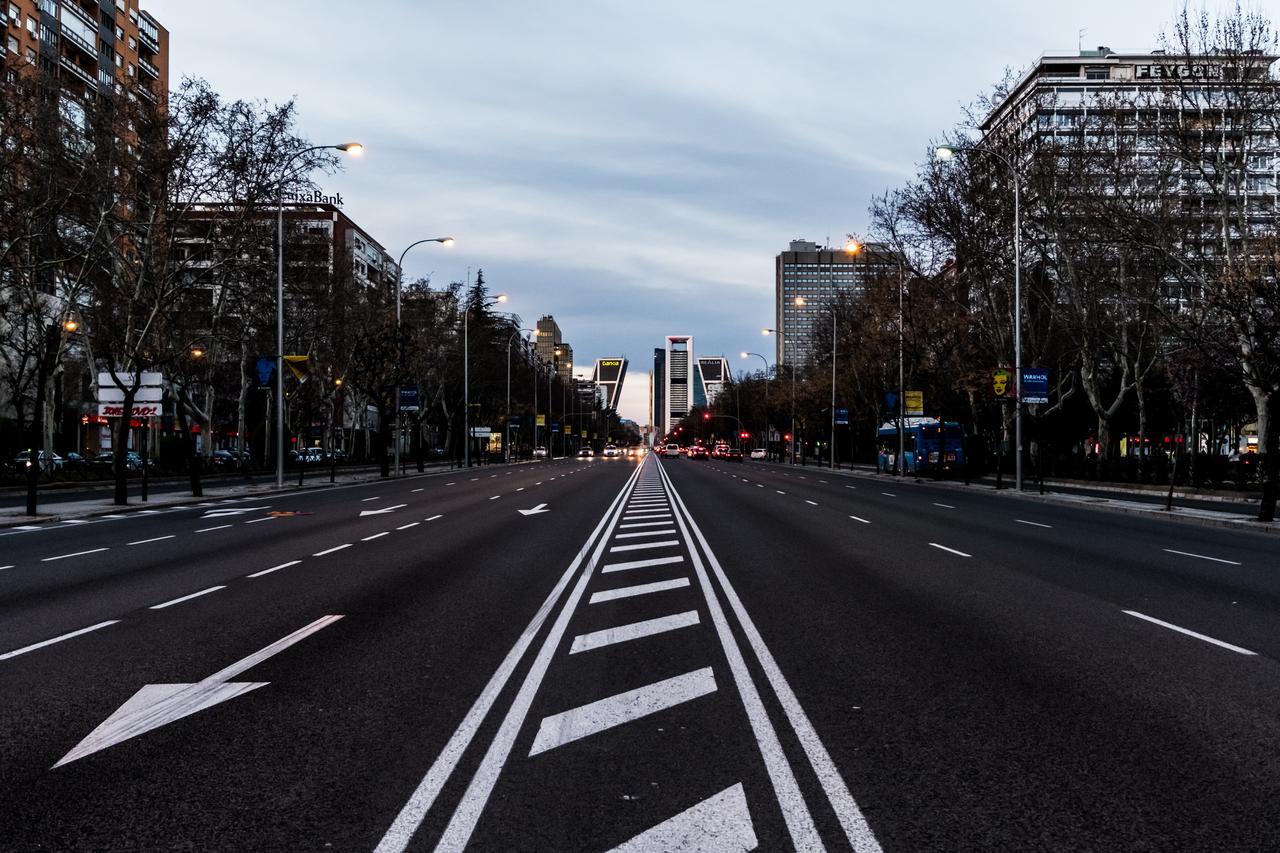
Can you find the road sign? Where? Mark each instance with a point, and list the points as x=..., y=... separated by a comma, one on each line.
x=145, y=394
x=568, y=429
x=542, y=420
x=1035, y=385
x=891, y=401
x=409, y=400
x=913, y=402
x=481, y=432
x=555, y=427
x=842, y=416
x=513, y=421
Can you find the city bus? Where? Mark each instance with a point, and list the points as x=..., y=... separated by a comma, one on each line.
x=923, y=440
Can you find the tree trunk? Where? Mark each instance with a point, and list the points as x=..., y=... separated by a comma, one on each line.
x=194, y=461
x=1268, y=453
x=120, y=451
x=1144, y=448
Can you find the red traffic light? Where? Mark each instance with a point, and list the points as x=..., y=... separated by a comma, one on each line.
x=706, y=416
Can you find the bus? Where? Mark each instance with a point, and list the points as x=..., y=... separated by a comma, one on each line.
x=923, y=441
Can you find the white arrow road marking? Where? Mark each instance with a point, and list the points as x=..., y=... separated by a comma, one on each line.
x=156, y=705
x=365, y=512
x=594, y=717
x=237, y=510
x=540, y=508
x=719, y=824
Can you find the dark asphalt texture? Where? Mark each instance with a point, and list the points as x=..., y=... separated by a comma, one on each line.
x=1001, y=700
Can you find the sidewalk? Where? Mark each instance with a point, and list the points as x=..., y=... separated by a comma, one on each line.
x=53, y=511
x=1201, y=517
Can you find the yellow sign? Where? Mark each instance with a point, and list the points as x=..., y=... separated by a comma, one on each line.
x=568, y=429
x=542, y=420
x=1000, y=380
x=611, y=363
x=913, y=402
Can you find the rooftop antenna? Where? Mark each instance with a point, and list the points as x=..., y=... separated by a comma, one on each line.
x=1080, y=39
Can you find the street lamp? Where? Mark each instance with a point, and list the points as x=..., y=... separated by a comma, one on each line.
x=766, y=391
x=506, y=440
x=445, y=241
x=353, y=149
x=946, y=152
x=466, y=376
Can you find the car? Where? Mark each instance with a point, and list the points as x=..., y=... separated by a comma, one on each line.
x=74, y=462
x=586, y=453
x=223, y=459
x=311, y=455
x=539, y=453
x=732, y=454
x=671, y=451
x=611, y=450
x=48, y=461
x=759, y=453
x=698, y=451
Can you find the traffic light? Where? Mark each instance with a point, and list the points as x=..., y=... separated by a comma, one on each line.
x=706, y=416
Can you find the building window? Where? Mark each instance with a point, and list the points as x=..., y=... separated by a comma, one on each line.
x=119, y=61
x=13, y=45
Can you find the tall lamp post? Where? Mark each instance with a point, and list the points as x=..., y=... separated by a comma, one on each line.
x=354, y=149
x=506, y=438
x=766, y=392
x=466, y=376
x=946, y=152
x=791, y=445
x=445, y=241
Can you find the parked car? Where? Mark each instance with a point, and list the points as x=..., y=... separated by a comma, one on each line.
x=223, y=459
x=48, y=462
x=586, y=453
x=759, y=453
x=539, y=453
x=74, y=462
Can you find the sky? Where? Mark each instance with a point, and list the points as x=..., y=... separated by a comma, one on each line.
x=631, y=168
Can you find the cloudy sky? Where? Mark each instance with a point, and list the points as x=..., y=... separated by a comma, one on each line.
x=630, y=167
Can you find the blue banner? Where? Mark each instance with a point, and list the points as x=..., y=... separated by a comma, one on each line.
x=842, y=416
x=1035, y=385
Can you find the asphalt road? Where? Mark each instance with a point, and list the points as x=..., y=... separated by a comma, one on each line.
x=681, y=655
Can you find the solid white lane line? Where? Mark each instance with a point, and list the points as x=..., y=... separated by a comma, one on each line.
x=670, y=531
x=256, y=520
x=407, y=526
x=641, y=564
x=950, y=550
x=495, y=497
x=811, y=503
x=1201, y=557
x=76, y=554
x=633, y=631
x=863, y=520
x=366, y=500
x=603, y=714
x=274, y=569
x=1237, y=649
x=211, y=529
x=521, y=489
x=375, y=536
x=889, y=494
x=111, y=516
x=638, y=589
x=804, y=835
x=1033, y=523
x=186, y=597
x=331, y=550
x=2, y=568
x=156, y=539
x=79, y=520
x=400, y=833
x=944, y=506
x=58, y=639
x=718, y=824
x=640, y=546
x=644, y=524
x=415, y=491
x=434, y=517
x=779, y=491
x=851, y=487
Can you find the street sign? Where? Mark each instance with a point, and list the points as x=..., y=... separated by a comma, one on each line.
x=568, y=429
x=145, y=394
x=148, y=379
x=1035, y=385
x=542, y=420
x=481, y=432
x=555, y=427
x=513, y=421
x=409, y=400
x=842, y=416
x=913, y=401
x=891, y=401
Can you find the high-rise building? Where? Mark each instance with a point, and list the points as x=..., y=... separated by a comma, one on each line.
x=711, y=376
x=564, y=362
x=90, y=45
x=658, y=394
x=815, y=274
x=548, y=338
x=609, y=375
x=677, y=383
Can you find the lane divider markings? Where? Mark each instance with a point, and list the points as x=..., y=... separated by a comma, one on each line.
x=1201, y=557
x=274, y=569
x=1237, y=649
x=1033, y=523
x=76, y=554
x=641, y=564
x=331, y=550
x=211, y=529
x=856, y=518
x=183, y=598
x=633, y=631
x=638, y=589
x=58, y=639
x=156, y=539
x=950, y=550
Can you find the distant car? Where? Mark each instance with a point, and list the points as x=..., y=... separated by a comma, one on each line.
x=697, y=451
x=223, y=459
x=586, y=453
x=759, y=453
x=74, y=462
x=671, y=451
x=611, y=450
x=47, y=461
x=539, y=453
x=732, y=454
x=311, y=455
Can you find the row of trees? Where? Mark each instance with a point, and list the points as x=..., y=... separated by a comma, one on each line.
x=1149, y=257
x=138, y=234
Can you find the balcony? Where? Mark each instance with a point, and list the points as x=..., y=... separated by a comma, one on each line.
x=148, y=33
x=145, y=66
x=70, y=36
x=76, y=71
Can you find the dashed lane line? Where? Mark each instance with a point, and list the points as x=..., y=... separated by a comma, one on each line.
x=1237, y=649
x=211, y=529
x=76, y=554
x=260, y=520
x=274, y=569
x=1200, y=557
x=811, y=503
x=155, y=539
x=58, y=639
x=374, y=498
x=433, y=518
x=603, y=714
x=632, y=631
x=183, y=598
x=407, y=526
x=331, y=550
x=376, y=536
x=950, y=550
x=944, y=506
x=639, y=589
x=856, y=518
x=1033, y=523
